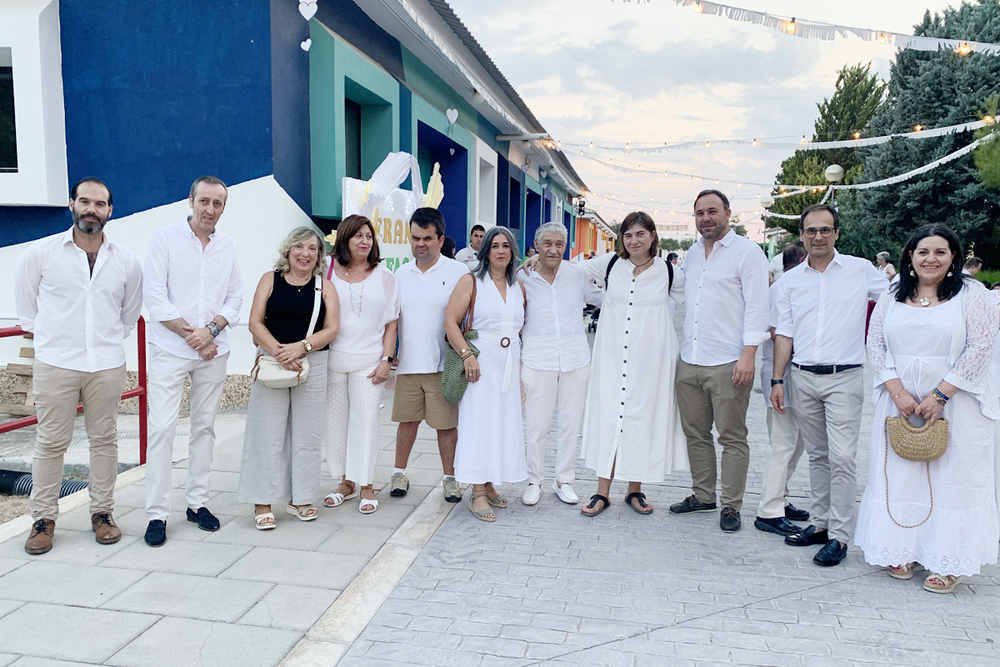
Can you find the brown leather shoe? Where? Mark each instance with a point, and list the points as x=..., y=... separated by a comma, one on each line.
x=105, y=528
x=40, y=538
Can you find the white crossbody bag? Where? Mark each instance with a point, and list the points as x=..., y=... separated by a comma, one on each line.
x=268, y=371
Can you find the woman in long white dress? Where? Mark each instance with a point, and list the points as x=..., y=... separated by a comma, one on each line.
x=930, y=342
x=631, y=427
x=490, y=448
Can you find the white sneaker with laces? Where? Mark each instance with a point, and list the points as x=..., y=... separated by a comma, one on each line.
x=532, y=494
x=566, y=493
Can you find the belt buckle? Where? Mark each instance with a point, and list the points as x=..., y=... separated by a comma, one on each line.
x=505, y=342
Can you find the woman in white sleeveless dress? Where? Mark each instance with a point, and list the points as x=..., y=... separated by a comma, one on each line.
x=930, y=343
x=490, y=448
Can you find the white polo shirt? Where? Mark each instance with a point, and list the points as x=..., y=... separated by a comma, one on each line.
x=824, y=313
x=423, y=298
x=554, y=336
x=468, y=257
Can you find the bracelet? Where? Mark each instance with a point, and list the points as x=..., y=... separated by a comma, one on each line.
x=466, y=355
x=940, y=397
x=897, y=394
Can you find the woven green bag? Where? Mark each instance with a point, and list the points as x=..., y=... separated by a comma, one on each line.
x=453, y=380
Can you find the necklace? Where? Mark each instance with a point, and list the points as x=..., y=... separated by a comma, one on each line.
x=361, y=297
x=639, y=266
x=924, y=301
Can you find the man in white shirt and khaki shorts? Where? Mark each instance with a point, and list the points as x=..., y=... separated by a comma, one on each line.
x=425, y=286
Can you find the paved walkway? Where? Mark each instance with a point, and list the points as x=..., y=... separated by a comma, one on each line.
x=543, y=585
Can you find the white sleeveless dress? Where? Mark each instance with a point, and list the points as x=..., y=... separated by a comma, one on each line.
x=490, y=429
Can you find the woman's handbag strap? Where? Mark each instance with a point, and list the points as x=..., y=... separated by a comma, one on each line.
x=472, y=308
x=316, y=301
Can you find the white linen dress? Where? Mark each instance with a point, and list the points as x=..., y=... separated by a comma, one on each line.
x=921, y=346
x=632, y=421
x=490, y=444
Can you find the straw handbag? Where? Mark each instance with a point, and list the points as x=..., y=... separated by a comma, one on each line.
x=914, y=443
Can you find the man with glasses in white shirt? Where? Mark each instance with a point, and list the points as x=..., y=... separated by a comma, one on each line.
x=78, y=294
x=425, y=286
x=821, y=309
x=193, y=291
x=555, y=360
x=727, y=318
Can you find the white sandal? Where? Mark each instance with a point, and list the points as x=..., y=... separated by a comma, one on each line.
x=302, y=512
x=262, y=521
x=335, y=499
x=368, y=501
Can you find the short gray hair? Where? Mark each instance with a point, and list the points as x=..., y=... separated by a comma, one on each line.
x=296, y=235
x=551, y=228
x=483, y=269
x=884, y=255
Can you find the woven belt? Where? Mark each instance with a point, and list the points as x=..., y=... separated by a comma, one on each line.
x=827, y=370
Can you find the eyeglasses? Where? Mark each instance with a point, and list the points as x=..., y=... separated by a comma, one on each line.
x=825, y=232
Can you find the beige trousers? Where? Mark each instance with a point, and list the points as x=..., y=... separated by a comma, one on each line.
x=706, y=395
x=56, y=392
x=828, y=412
x=786, y=449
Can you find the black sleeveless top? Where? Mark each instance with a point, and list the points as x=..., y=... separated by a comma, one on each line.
x=289, y=310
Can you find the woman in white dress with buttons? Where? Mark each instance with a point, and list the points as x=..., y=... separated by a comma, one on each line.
x=359, y=361
x=632, y=428
x=490, y=447
x=930, y=343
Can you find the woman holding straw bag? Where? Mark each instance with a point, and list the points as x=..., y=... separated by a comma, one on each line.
x=930, y=342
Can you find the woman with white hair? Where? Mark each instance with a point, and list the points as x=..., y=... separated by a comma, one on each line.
x=884, y=267
x=490, y=447
x=282, y=450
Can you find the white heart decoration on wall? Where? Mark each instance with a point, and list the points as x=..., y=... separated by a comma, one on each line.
x=308, y=9
x=452, y=115
x=306, y=44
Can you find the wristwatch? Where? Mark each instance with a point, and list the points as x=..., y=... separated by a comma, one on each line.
x=774, y=382
x=309, y=347
x=389, y=359
x=213, y=329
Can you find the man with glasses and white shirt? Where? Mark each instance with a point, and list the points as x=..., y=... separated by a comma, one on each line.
x=555, y=360
x=821, y=309
x=727, y=318
x=193, y=291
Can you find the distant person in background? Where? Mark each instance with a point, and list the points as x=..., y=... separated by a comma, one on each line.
x=672, y=258
x=972, y=266
x=884, y=267
x=469, y=254
x=774, y=510
x=448, y=249
x=592, y=255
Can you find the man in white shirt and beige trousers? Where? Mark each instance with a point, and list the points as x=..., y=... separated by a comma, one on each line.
x=193, y=291
x=555, y=360
x=79, y=293
x=821, y=307
x=726, y=298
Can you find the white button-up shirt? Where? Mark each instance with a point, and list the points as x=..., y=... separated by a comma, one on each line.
x=423, y=298
x=188, y=281
x=824, y=313
x=79, y=318
x=554, y=336
x=726, y=297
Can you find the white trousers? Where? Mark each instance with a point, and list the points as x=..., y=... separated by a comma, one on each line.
x=565, y=394
x=996, y=461
x=786, y=449
x=166, y=387
x=351, y=433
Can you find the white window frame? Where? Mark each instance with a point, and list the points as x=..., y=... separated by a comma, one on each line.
x=31, y=29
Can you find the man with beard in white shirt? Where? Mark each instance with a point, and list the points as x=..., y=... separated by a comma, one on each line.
x=555, y=360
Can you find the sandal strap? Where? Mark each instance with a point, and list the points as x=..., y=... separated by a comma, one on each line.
x=637, y=494
x=594, y=498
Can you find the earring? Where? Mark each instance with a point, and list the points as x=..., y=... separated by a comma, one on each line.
x=913, y=273
x=950, y=274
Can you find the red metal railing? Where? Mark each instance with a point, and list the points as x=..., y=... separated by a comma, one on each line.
x=139, y=392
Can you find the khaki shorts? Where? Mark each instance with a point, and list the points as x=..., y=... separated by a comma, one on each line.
x=418, y=397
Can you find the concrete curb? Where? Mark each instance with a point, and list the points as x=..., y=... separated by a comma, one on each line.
x=22, y=524
x=338, y=628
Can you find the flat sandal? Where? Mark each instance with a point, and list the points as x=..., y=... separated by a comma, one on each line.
x=485, y=514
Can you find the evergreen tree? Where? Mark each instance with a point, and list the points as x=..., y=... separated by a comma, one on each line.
x=932, y=89
x=856, y=97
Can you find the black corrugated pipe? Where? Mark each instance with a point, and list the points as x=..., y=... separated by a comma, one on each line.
x=16, y=483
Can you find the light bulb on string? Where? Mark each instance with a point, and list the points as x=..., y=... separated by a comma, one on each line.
x=857, y=135
x=627, y=147
x=697, y=8
x=918, y=127
x=883, y=38
x=790, y=27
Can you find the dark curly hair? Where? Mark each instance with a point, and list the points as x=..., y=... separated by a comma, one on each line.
x=950, y=285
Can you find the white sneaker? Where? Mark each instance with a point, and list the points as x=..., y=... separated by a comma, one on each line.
x=532, y=494
x=566, y=493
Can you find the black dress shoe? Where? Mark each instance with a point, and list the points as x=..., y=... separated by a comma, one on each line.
x=779, y=526
x=831, y=554
x=795, y=514
x=808, y=537
x=156, y=533
x=691, y=504
x=205, y=519
x=730, y=520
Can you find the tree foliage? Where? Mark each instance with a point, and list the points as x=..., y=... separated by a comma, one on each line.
x=856, y=98
x=933, y=89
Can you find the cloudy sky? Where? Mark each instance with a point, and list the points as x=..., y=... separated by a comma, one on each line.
x=613, y=71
